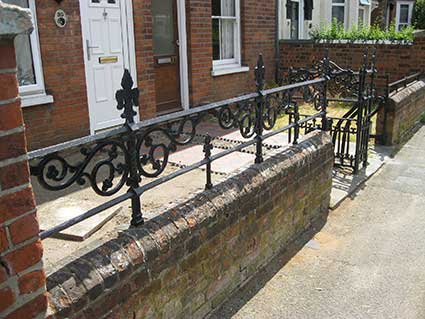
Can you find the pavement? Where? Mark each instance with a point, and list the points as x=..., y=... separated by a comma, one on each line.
x=366, y=261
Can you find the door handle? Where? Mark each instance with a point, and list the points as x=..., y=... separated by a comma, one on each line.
x=89, y=48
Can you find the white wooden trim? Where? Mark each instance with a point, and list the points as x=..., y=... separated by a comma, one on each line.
x=128, y=46
x=38, y=87
x=301, y=19
x=346, y=11
x=219, y=64
x=184, y=77
x=230, y=70
x=36, y=99
x=409, y=18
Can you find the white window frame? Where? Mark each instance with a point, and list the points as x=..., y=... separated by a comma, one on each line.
x=345, y=10
x=410, y=14
x=35, y=94
x=226, y=66
x=362, y=11
x=301, y=20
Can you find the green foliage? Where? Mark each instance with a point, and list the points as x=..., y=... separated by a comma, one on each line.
x=419, y=14
x=336, y=31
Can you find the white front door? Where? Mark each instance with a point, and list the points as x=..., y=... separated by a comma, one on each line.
x=106, y=56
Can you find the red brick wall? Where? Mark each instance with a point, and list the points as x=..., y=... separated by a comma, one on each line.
x=22, y=280
x=144, y=57
x=63, y=68
x=395, y=60
x=63, y=64
x=64, y=74
x=258, y=36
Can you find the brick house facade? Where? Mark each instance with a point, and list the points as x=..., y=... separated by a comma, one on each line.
x=62, y=52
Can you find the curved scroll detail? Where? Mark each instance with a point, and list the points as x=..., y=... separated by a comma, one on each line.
x=241, y=116
x=275, y=105
x=155, y=145
x=342, y=82
x=55, y=173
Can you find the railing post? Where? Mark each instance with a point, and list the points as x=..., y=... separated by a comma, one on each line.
x=127, y=98
x=327, y=76
x=296, y=120
x=359, y=124
x=207, y=151
x=259, y=125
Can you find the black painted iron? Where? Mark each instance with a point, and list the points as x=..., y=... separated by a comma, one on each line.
x=357, y=88
x=137, y=151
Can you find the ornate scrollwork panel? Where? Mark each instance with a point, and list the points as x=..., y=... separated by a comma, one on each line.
x=104, y=166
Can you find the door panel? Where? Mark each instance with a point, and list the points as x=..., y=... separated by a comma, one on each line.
x=166, y=55
x=104, y=61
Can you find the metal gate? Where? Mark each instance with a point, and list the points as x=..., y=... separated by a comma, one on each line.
x=352, y=131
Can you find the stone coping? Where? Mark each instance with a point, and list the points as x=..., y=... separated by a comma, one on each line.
x=14, y=20
x=355, y=42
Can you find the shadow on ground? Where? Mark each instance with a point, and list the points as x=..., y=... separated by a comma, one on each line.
x=255, y=284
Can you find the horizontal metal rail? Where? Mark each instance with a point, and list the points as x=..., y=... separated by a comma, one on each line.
x=141, y=150
x=404, y=82
x=140, y=190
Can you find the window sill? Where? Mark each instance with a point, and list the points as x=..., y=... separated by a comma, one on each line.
x=229, y=70
x=36, y=99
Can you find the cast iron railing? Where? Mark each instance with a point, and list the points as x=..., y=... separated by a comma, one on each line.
x=402, y=83
x=141, y=150
x=352, y=131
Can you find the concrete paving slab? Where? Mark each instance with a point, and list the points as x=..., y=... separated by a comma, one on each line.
x=224, y=165
x=64, y=209
x=345, y=183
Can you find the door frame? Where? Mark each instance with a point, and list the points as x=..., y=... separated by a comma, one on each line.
x=184, y=77
x=129, y=48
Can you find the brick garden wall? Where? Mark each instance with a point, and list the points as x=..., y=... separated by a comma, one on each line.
x=185, y=262
x=404, y=111
x=395, y=60
x=22, y=280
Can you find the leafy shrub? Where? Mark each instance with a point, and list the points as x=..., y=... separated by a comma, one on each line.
x=419, y=14
x=336, y=31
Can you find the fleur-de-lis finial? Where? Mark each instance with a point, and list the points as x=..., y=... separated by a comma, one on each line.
x=365, y=58
x=260, y=72
x=127, y=97
x=374, y=59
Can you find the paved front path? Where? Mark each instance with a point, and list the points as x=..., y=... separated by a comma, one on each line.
x=367, y=262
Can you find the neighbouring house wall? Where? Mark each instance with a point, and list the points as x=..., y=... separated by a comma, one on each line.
x=22, y=279
x=258, y=36
x=403, y=113
x=322, y=15
x=64, y=71
x=185, y=262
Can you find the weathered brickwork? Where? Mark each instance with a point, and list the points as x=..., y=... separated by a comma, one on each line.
x=257, y=36
x=185, y=262
x=22, y=280
x=395, y=60
x=404, y=111
x=64, y=75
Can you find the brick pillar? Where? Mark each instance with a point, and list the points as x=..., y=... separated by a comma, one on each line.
x=22, y=279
